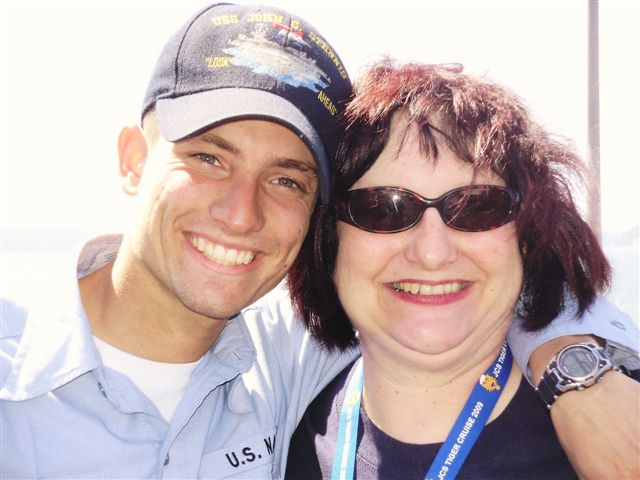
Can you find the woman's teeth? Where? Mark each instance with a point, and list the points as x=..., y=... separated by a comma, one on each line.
x=423, y=289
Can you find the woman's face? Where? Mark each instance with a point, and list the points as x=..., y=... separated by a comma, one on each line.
x=467, y=283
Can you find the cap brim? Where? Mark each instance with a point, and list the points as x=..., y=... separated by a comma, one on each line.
x=181, y=117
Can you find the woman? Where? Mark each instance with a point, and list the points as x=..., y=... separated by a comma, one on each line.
x=432, y=291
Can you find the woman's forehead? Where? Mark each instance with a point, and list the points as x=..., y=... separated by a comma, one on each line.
x=411, y=168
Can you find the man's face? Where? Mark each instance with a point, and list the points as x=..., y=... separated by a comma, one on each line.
x=224, y=214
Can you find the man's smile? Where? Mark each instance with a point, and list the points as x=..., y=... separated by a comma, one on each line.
x=219, y=254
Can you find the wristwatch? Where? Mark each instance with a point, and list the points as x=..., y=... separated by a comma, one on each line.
x=575, y=367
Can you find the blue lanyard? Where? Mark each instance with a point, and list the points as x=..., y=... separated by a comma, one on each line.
x=457, y=445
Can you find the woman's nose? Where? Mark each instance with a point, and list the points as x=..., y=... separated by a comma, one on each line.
x=433, y=243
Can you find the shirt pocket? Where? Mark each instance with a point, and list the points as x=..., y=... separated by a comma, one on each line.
x=250, y=459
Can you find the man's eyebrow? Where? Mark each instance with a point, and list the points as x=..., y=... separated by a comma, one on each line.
x=297, y=165
x=283, y=162
x=210, y=137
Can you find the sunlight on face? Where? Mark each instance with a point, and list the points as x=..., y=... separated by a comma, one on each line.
x=430, y=289
x=224, y=213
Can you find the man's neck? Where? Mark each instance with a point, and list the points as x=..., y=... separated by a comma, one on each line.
x=130, y=309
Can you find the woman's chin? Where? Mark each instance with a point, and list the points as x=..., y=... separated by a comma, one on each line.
x=420, y=343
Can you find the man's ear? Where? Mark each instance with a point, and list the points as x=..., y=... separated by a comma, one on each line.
x=132, y=154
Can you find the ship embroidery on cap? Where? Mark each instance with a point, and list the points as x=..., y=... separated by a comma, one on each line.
x=286, y=64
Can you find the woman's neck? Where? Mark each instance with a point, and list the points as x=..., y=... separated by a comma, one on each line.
x=420, y=404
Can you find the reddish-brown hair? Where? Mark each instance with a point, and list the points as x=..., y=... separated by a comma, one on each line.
x=488, y=127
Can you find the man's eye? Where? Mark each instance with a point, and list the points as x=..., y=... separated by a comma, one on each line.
x=289, y=183
x=210, y=159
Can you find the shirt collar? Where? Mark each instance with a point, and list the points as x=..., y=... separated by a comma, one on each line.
x=57, y=345
x=232, y=354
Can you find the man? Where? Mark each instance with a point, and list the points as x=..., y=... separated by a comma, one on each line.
x=146, y=366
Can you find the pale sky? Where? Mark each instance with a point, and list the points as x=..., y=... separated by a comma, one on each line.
x=74, y=72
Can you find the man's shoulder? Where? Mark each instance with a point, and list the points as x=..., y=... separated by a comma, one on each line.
x=283, y=344
x=13, y=320
x=273, y=313
x=13, y=313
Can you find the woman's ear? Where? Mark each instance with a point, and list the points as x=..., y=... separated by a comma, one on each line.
x=132, y=155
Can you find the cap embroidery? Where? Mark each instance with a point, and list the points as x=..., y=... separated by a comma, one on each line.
x=285, y=64
x=329, y=52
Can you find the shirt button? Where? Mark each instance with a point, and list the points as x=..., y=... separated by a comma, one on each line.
x=618, y=324
x=102, y=391
x=166, y=460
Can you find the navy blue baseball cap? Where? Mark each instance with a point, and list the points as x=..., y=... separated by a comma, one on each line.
x=237, y=62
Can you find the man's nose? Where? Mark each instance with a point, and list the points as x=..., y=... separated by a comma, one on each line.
x=239, y=206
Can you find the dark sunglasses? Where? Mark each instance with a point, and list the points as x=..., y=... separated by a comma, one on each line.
x=474, y=208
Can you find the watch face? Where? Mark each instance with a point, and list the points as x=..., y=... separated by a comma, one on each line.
x=577, y=362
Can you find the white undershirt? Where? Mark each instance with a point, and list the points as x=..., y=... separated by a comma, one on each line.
x=163, y=383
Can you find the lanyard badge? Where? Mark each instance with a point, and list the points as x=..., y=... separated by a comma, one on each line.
x=463, y=434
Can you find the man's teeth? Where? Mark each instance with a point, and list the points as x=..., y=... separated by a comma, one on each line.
x=219, y=254
x=422, y=289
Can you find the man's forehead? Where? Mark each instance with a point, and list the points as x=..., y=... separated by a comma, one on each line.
x=229, y=136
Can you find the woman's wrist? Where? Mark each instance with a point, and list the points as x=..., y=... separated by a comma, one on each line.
x=542, y=356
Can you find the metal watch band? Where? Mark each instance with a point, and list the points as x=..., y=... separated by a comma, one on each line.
x=555, y=382
x=547, y=386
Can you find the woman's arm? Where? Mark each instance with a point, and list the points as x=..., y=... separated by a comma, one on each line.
x=598, y=427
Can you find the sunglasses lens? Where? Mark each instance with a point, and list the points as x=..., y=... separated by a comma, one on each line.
x=384, y=210
x=477, y=209
x=390, y=210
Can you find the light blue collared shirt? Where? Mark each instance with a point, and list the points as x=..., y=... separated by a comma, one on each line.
x=603, y=319
x=63, y=414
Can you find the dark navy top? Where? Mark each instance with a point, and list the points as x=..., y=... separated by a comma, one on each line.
x=520, y=444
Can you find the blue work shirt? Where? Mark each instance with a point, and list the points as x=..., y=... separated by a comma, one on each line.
x=65, y=415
